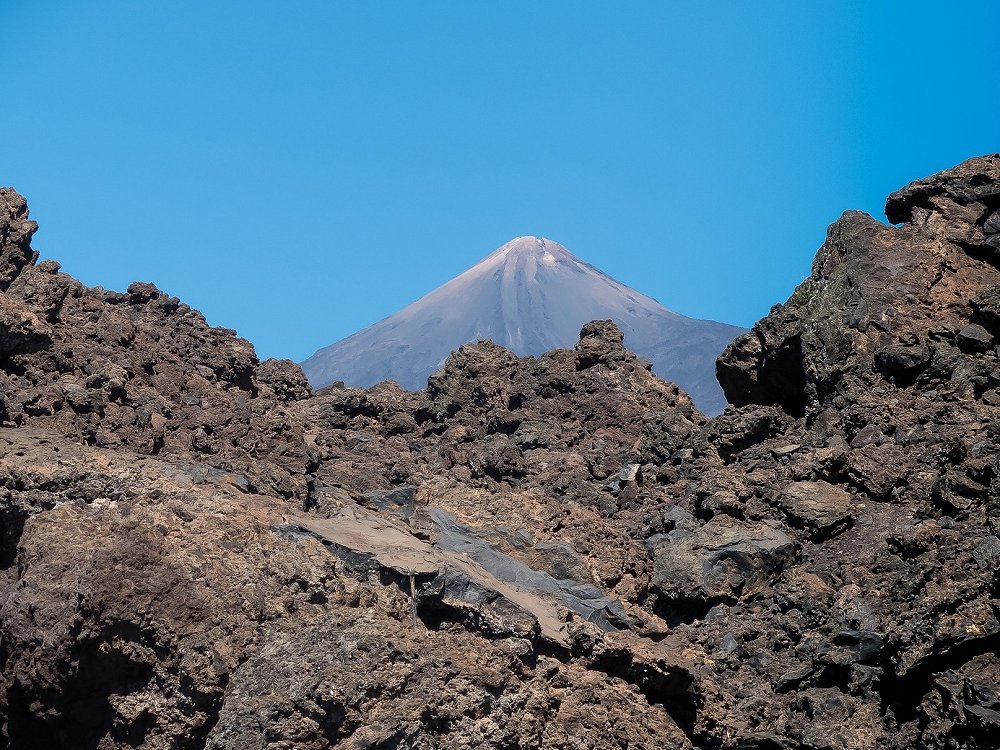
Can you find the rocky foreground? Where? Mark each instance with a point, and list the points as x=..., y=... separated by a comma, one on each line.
x=198, y=552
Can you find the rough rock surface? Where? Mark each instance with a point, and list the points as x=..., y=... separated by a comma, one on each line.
x=198, y=552
x=819, y=505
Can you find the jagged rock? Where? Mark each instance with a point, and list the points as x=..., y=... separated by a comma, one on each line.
x=601, y=342
x=974, y=181
x=852, y=647
x=856, y=306
x=285, y=378
x=991, y=230
x=900, y=360
x=987, y=554
x=974, y=338
x=722, y=561
x=16, y=231
x=21, y=332
x=986, y=310
x=550, y=552
x=141, y=370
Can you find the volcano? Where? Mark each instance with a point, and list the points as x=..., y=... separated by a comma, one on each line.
x=531, y=295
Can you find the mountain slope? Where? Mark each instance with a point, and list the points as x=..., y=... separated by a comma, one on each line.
x=531, y=295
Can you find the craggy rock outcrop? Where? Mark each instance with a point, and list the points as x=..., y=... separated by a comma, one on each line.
x=883, y=360
x=197, y=552
x=139, y=370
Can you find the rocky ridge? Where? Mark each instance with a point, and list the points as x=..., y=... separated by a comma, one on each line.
x=198, y=552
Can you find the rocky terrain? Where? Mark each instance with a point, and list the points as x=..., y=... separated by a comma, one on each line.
x=196, y=551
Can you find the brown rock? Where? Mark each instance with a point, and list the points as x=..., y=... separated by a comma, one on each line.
x=820, y=506
x=195, y=551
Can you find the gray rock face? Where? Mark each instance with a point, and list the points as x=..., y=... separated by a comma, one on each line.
x=718, y=562
x=531, y=296
x=584, y=599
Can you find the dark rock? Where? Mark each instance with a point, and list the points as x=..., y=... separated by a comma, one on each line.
x=21, y=331
x=399, y=500
x=746, y=427
x=976, y=181
x=987, y=553
x=875, y=469
x=986, y=310
x=974, y=338
x=284, y=378
x=984, y=717
x=991, y=230
x=852, y=646
x=601, y=342
x=867, y=435
x=764, y=367
x=16, y=231
x=793, y=679
x=720, y=562
x=894, y=361
x=169, y=506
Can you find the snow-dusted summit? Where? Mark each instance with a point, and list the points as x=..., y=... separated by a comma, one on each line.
x=530, y=295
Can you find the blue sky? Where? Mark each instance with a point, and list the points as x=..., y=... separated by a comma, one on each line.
x=300, y=170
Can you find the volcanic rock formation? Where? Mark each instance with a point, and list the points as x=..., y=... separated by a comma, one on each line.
x=530, y=296
x=198, y=552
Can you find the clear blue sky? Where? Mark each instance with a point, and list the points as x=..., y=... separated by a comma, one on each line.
x=300, y=170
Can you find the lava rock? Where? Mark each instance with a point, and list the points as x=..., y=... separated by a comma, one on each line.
x=720, y=562
x=974, y=338
x=986, y=310
x=601, y=342
x=819, y=506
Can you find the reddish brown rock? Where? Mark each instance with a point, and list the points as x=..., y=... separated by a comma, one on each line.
x=198, y=552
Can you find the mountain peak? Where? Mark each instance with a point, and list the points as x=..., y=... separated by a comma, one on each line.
x=530, y=295
x=530, y=244
x=540, y=249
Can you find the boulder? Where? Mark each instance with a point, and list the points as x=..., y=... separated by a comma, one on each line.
x=721, y=561
x=899, y=360
x=974, y=338
x=821, y=507
x=986, y=309
x=601, y=343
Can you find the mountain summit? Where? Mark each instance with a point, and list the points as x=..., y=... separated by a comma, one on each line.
x=530, y=295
